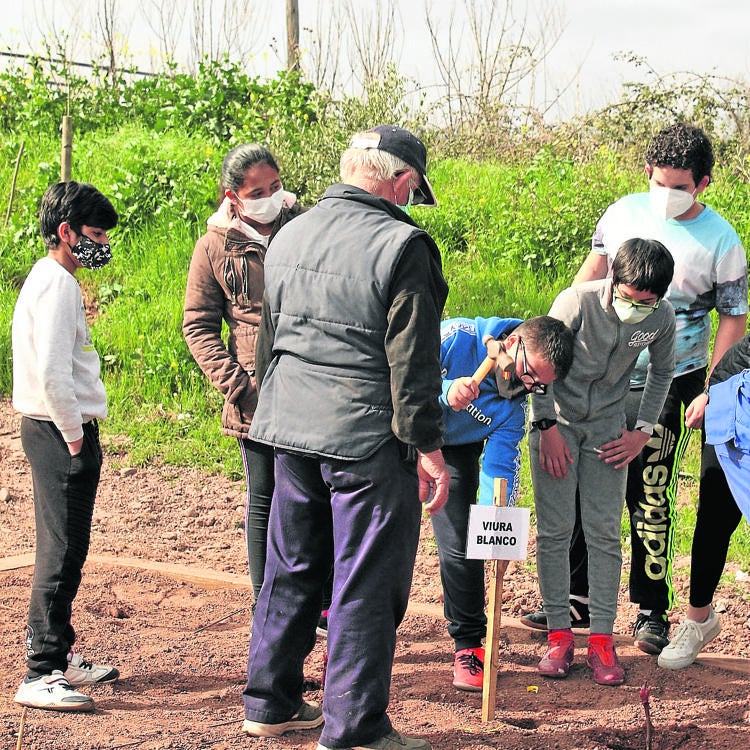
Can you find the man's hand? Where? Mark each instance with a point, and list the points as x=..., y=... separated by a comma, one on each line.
x=461, y=393
x=554, y=455
x=622, y=451
x=434, y=479
x=695, y=412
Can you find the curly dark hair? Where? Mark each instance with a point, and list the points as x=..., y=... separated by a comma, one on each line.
x=682, y=146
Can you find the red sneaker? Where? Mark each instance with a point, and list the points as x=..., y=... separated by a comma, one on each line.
x=560, y=651
x=468, y=669
x=602, y=658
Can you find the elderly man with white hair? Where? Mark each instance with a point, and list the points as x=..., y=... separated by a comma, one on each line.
x=350, y=334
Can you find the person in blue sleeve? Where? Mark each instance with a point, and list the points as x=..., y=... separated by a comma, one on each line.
x=484, y=425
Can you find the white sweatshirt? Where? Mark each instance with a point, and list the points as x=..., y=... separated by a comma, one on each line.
x=55, y=366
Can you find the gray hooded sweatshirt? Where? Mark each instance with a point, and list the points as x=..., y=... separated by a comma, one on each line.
x=605, y=353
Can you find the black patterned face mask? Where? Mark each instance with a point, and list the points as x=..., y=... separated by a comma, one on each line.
x=91, y=254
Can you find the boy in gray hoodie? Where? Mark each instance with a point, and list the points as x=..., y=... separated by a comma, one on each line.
x=579, y=438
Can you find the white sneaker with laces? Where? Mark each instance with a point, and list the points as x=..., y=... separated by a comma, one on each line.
x=52, y=692
x=688, y=641
x=82, y=672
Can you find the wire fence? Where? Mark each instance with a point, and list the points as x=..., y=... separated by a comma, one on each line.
x=73, y=63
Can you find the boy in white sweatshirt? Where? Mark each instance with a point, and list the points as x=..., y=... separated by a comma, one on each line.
x=57, y=389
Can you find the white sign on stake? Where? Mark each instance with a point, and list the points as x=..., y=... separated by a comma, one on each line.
x=497, y=533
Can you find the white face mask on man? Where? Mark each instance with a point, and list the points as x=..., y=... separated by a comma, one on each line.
x=667, y=203
x=263, y=210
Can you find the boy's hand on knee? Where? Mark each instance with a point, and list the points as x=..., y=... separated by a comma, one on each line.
x=554, y=455
x=622, y=451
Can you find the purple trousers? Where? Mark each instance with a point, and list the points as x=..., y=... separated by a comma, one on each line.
x=364, y=517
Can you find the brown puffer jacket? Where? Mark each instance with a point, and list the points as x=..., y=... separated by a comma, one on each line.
x=225, y=283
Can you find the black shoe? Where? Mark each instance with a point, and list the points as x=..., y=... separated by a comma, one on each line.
x=579, y=617
x=536, y=620
x=579, y=614
x=651, y=632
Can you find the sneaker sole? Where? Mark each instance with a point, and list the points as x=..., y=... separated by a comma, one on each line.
x=533, y=624
x=647, y=647
x=614, y=682
x=466, y=687
x=256, y=729
x=677, y=663
x=82, y=707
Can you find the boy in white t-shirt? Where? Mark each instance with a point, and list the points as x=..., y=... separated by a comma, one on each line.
x=710, y=274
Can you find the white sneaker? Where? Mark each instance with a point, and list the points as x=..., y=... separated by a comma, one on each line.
x=53, y=692
x=688, y=641
x=82, y=672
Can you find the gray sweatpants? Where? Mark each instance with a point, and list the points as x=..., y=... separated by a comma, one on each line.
x=602, y=493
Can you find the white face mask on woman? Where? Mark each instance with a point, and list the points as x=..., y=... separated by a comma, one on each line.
x=263, y=210
x=667, y=203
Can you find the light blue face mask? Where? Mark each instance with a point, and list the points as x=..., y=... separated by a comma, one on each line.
x=407, y=208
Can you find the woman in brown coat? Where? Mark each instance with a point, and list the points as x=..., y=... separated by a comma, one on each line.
x=225, y=284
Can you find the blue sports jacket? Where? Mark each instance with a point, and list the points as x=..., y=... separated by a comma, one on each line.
x=497, y=421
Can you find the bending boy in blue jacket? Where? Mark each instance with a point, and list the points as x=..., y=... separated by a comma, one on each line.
x=484, y=426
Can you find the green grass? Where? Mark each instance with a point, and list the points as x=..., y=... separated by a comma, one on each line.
x=511, y=236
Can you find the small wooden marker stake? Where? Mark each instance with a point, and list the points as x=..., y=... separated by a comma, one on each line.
x=22, y=727
x=494, y=614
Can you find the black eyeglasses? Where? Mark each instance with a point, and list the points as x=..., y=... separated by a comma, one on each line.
x=530, y=383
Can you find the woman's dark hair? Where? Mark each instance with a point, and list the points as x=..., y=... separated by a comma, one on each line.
x=239, y=160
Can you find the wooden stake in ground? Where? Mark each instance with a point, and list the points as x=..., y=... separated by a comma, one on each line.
x=497, y=572
x=21, y=728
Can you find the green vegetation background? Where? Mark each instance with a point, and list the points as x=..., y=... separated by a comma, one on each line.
x=517, y=207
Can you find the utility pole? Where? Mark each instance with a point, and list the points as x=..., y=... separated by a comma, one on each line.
x=292, y=34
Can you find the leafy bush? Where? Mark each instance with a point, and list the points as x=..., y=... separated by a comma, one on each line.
x=221, y=102
x=512, y=226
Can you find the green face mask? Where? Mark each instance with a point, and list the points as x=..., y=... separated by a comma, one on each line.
x=407, y=208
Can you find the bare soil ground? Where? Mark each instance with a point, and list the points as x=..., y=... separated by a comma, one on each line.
x=165, y=597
